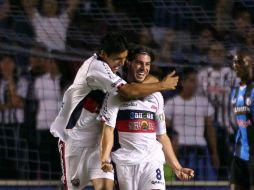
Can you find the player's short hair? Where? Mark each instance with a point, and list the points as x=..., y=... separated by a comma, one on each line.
x=114, y=42
x=136, y=50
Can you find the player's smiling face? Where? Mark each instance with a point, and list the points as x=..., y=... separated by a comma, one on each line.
x=115, y=60
x=139, y=68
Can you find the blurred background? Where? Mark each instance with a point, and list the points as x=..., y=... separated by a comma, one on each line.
x=44, y=42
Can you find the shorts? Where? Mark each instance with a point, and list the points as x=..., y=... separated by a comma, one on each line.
x=144, y=176
x=242, y=172
x=80, y=165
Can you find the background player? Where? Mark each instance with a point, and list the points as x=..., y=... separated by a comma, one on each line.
x=242, y=99
x=76, y=124
x=142, y=133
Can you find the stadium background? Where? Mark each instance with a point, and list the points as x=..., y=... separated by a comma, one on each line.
x=53, y=37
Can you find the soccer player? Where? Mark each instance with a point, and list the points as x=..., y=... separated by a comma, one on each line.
x=76, y=125
x=242, y=99
x=141, y=127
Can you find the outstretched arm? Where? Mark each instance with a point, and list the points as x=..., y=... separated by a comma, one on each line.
x=107, y=141
x=138, y=90
x=181, y=173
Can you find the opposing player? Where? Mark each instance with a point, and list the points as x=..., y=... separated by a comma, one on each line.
x=142, y=133
x=242, y=99
x=76, y=124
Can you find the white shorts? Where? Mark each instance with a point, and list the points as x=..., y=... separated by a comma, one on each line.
x=142, y=176
x=80, y=165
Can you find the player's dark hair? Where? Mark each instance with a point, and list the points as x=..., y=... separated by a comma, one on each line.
x=113, y=42
x=136, y=50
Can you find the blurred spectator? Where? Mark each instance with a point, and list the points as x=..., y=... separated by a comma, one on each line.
x=202, y=44
x=48, y=94
x=12, y=93
x=50, y=23
x=14, y=28
x=13, y=89
x=241, y=24
x=249, y=39
x=223, y=16
x=37, y=67
x=165, y=52
x=145, y=38
x=5, y=21
x=191, y=116
x=216, y=81
x=22, y=25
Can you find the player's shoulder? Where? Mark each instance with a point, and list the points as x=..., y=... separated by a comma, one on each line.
x=158, y=96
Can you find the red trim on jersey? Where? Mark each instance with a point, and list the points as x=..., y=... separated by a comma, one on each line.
x=61, y=146
x=136, y=126
x=91, y=105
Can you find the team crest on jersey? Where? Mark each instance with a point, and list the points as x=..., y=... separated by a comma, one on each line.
x=248, y=101
x=144, y=125
x=154, y=107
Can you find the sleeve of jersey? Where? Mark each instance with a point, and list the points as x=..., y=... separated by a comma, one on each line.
x=109, y=110
x=160, y=116
x=101, y=77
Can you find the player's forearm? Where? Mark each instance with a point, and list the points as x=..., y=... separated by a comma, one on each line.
x=169, y=152
x=138, y=90
x=107, y=141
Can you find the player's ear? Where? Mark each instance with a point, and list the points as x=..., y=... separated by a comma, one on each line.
x=103, y=54
x=127, y=63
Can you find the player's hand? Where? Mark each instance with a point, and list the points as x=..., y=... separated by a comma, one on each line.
x=170, y=81
x=184, y=174
x=106, y=166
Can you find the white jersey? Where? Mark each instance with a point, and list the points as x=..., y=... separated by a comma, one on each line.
x=82, y=102
x=138, y=122
x=188, y=118
x=217, y=86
